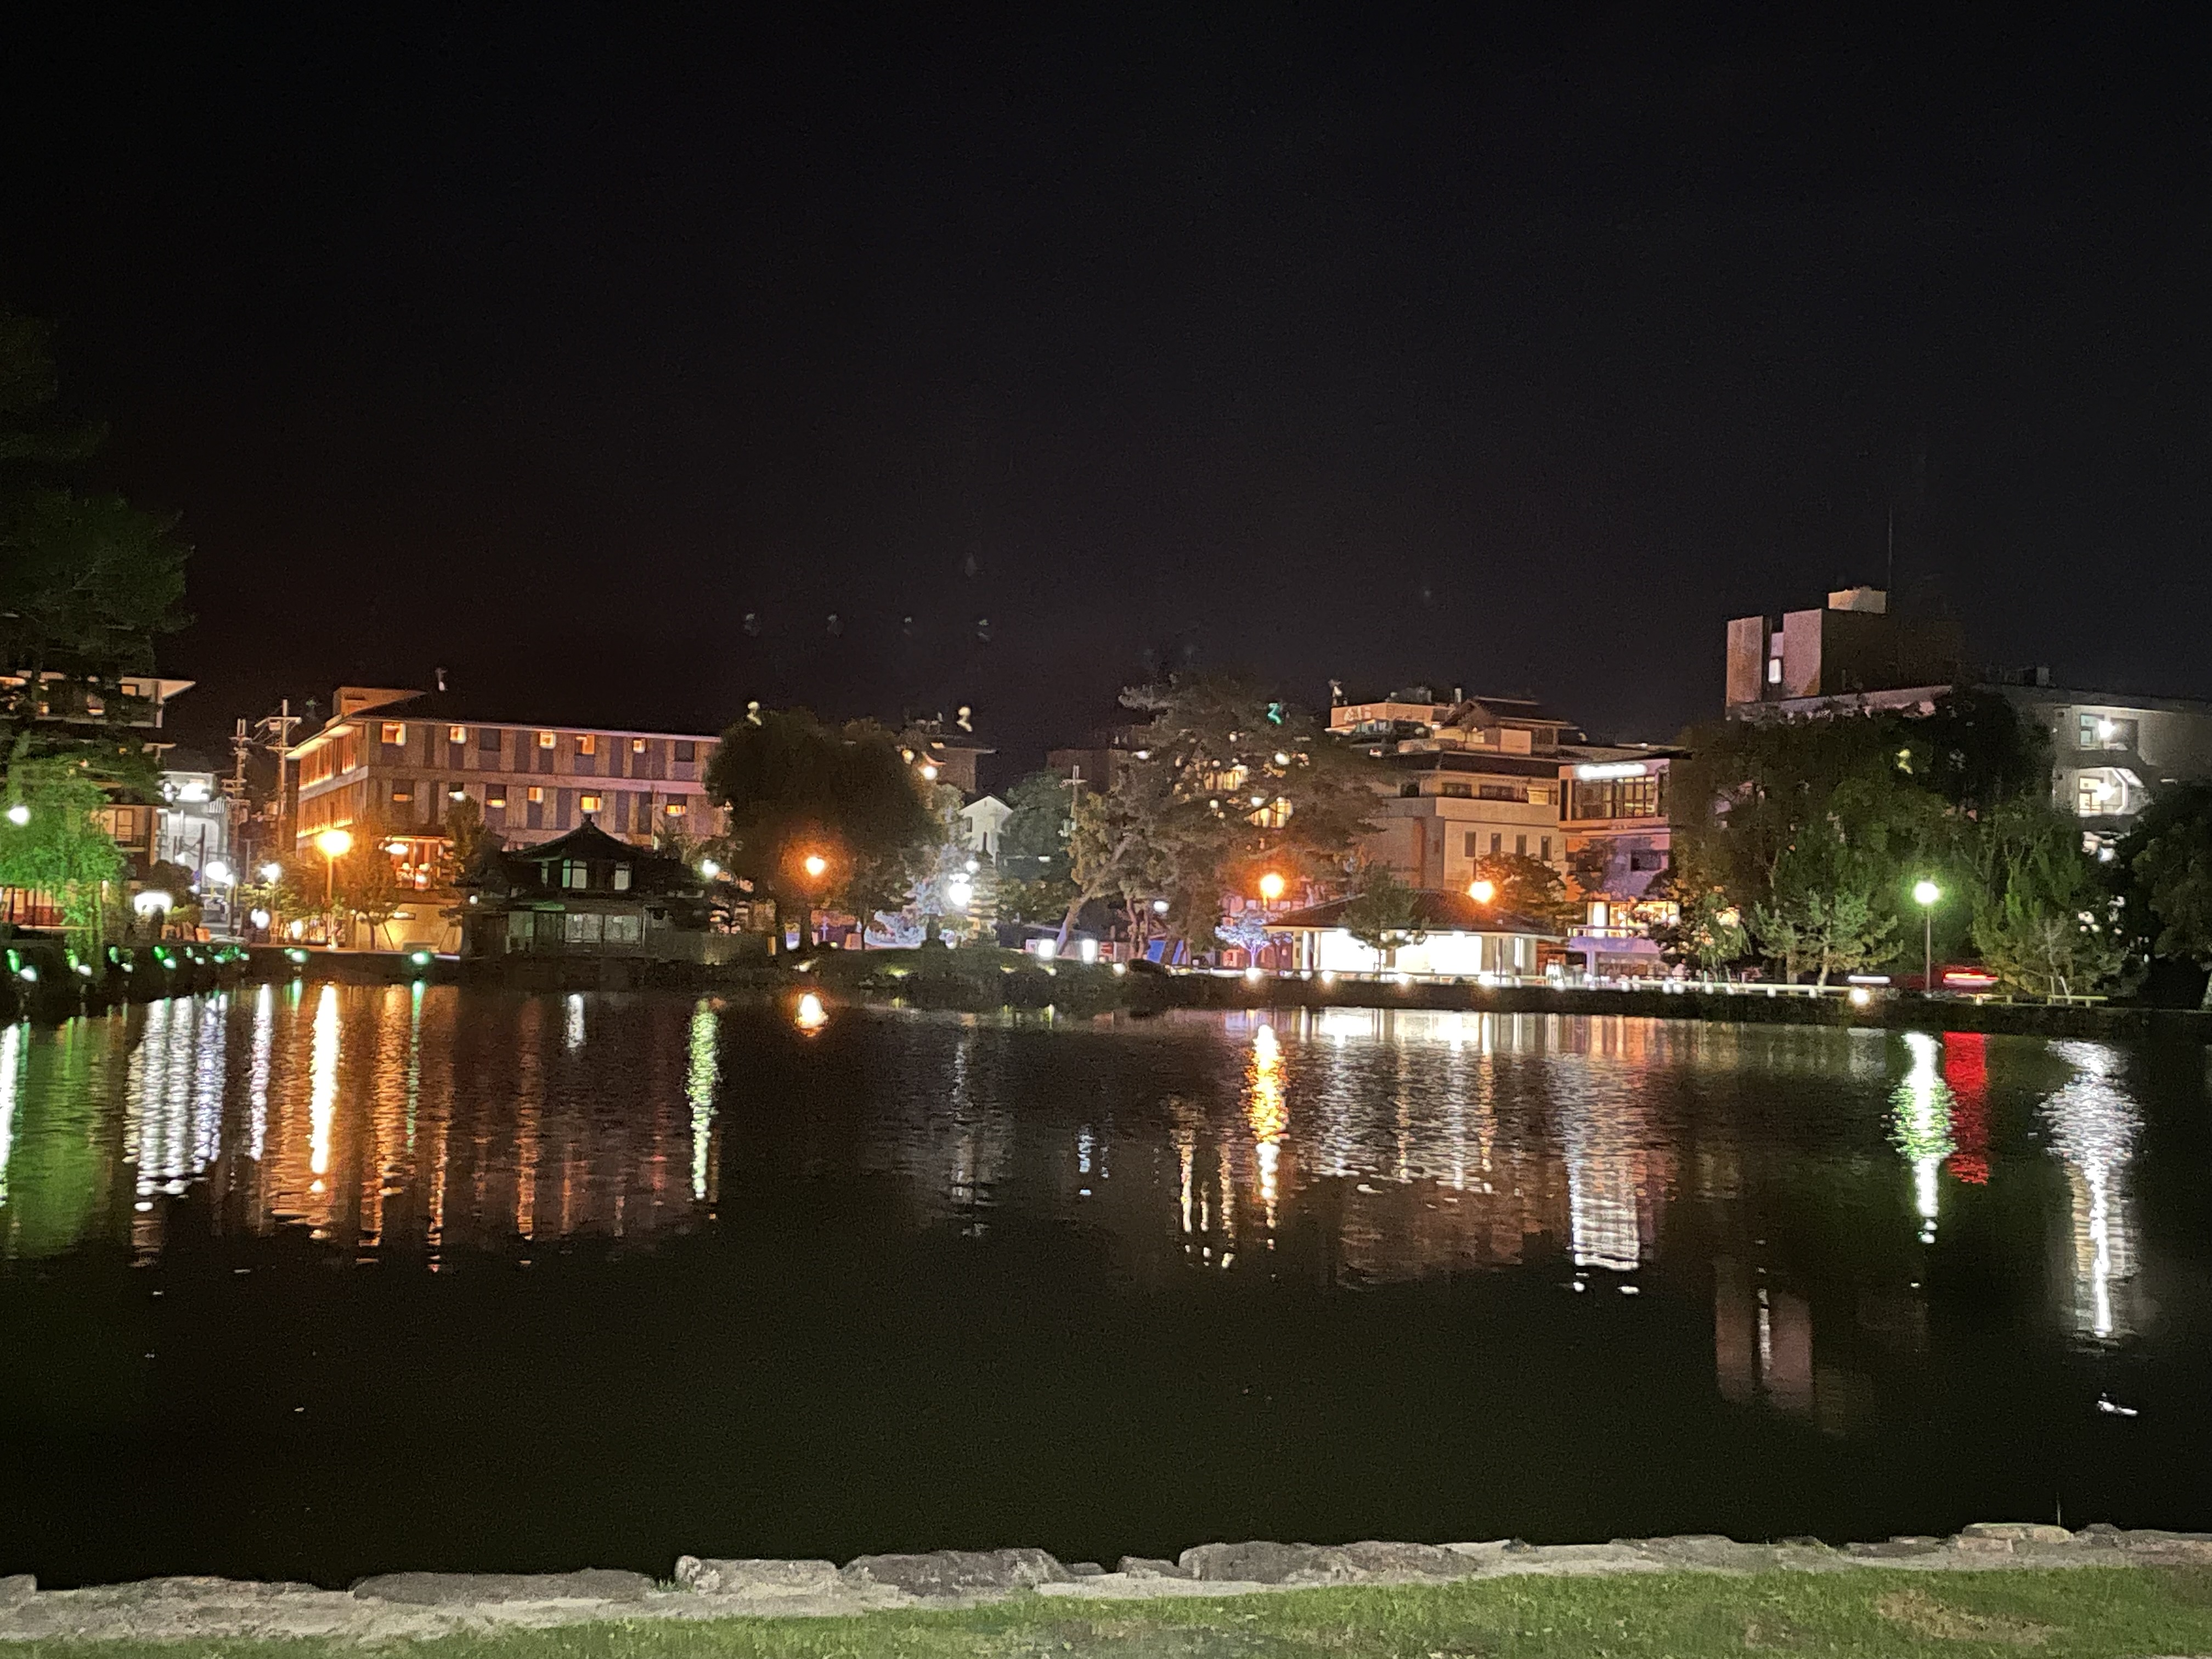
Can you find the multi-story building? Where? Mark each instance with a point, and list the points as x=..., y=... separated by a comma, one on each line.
x=1464, y=779
x=2111, y=751
x=2111, y=754
x=398, y=758
x=1853, y=653
x=1615, y=813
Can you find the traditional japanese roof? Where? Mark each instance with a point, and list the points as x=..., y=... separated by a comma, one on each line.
x=651, y=872
x=1434, y=911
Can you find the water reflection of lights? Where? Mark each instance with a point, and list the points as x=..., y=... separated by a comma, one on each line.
x=322, y=1085
x=2094, y=1123
x=264, y=1035
x=811, y=1016
x=699, y=1078
x=572, y=1032
x=11, y=1044
x=1264, y=1111
x=1920, y=1114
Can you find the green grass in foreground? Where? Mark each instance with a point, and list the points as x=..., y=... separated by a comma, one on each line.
x=2081, y=1611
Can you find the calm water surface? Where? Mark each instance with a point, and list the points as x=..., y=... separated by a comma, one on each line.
x=313, y=1281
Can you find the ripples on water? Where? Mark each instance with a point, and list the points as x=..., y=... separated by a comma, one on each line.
x=1853, y=1236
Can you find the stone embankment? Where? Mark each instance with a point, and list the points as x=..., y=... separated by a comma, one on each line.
x=417, y=1604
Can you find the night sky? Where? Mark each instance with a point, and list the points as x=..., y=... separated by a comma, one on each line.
x=546, y=346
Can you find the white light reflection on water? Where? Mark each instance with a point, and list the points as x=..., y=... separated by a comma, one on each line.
x=11, y=1044
x=265, y=1032
x=2093, y=1124
x=571, y=1034
x=1920, y=1115
x=700, y=1078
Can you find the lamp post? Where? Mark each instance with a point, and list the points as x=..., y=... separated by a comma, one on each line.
x=334, y=845
x=1926, y=893
x=1482, y=891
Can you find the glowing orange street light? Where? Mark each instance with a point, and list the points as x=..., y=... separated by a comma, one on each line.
x=1482, y=891
x=815, y=865
x=334, y=845
x=1270, y=887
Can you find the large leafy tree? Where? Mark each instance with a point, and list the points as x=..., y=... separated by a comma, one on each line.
x=1817, y=831
x=796, y=788
x=1226, y=781
x=60, y=848
x=88, y=583
x=1527, y=887
x=1383, y=913
x=2170, y=858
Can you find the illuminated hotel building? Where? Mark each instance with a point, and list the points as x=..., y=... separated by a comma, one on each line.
x=398, y=758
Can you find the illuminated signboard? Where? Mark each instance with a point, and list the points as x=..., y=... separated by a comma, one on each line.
x=1600, y=772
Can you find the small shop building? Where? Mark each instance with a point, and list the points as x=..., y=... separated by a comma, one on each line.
x=1459, y=939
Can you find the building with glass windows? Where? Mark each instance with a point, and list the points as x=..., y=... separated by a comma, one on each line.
x=585, y=893
x=399, y=759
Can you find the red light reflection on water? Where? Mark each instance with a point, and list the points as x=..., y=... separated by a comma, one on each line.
x=1966, y=1071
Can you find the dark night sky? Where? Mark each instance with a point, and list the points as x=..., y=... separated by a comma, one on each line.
x=545, y=346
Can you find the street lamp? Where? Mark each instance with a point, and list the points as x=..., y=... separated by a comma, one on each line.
x=1925, y=893
x=1270, y=887
x=19, y=815
x=709, y=869
x=1482, y=891
x=334, y=845
x=814, y=864
x=271, y=871
x=153, y=904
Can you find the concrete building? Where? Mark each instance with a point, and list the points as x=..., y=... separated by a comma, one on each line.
x=1616, y=816
x=1852, y=648
x=2111, y=751
x=2111, y=754
x=982, y=820
x=1464, y=778
x=398, y=758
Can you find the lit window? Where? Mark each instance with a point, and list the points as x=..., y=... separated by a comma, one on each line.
x=395, y=732
x=587, y=742
x=537, y=795
x=622, y=877
x=637, y=746
x=546, y=739
x=575, y=873
x=674, y=809
x=1774, y=671
x=457, y=734
x=496, y=797
x=590, y=803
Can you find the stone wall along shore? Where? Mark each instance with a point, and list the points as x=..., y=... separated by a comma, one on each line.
x=413, y=1604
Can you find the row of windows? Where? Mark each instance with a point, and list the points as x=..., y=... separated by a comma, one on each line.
x=393, y=734
x=1471, y=844
x=1536, y=794
x=1615, y=797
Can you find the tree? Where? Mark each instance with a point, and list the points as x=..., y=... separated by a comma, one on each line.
x=1384, y=914
x=466, y=838
x=2043, y=918
x=1245, y=930
x=2169, y=856
x=797, y=789
x=1033, y=843
x=60, y=848
x=1528, y=887
x=1223, y=780
x=1710, y=931
x=364, y=883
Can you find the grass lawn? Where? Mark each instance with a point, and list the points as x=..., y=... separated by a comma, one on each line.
x=2087, y=1610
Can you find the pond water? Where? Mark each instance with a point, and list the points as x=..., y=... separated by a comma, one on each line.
x=313, y=1281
